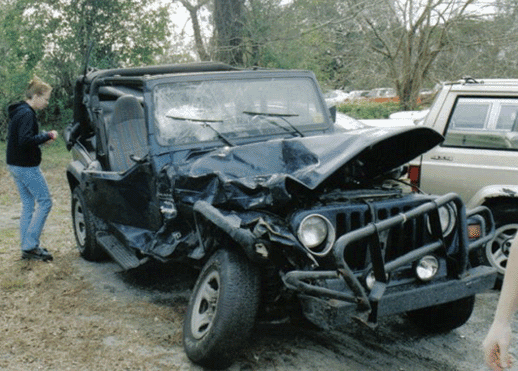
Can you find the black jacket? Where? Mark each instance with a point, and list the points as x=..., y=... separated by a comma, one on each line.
x=24, y=138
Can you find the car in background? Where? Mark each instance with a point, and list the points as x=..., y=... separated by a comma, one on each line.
x=336, y=97
x=382, y=95
x=345, y=121
x=478, y=158
x=357, y=95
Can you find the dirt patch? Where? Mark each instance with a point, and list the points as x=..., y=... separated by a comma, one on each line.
x=74, y=315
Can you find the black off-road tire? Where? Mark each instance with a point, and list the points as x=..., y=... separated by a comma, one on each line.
x=222, y=310
x=84, y=229
x=443, y=317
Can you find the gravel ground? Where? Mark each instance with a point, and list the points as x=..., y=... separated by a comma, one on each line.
x=74, y=315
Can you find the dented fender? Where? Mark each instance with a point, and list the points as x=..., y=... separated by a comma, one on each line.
x=254, y=232
x=231, y=225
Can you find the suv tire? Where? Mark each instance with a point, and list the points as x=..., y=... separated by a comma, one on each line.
x=84, y=228
x=443, y=317
x=496, y=252
x=222, y=309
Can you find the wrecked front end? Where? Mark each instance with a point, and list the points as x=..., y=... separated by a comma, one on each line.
x=403, y=256
x=334, y=231
x=363, y=256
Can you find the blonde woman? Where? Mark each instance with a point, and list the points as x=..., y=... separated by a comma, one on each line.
x=23, y=161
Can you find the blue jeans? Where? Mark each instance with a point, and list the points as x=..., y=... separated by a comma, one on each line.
x=33, y=190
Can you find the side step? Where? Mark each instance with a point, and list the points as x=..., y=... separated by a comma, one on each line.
x=122, y=256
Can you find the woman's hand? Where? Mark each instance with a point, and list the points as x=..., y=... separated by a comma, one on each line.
x=53, y=135
x=496, y=346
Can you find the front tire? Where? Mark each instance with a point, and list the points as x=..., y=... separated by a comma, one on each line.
x=443, y=317
x=84, y=228
x=222, y=309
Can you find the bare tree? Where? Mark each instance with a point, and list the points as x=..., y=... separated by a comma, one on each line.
x=193, y=9
x=410, y=35
x=227, y=16
x=360, y=43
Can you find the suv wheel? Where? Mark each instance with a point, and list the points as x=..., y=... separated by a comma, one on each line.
x=84, y=228
x=497, y=250
x=443, y=317
x=222, y=310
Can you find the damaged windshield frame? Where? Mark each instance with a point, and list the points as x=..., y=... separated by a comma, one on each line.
x=183, y=108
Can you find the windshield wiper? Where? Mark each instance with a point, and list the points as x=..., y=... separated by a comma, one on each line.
x=282, y=116
x=206, y=124
x=221, y=136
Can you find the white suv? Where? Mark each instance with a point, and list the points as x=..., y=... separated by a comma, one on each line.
x=479, y=156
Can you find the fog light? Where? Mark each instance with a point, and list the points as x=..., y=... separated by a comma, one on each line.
x=427, y=268
x=370, y=280
x=474, y=231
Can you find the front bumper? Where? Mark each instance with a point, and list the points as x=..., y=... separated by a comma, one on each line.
x=328, y=311
x=329, y=297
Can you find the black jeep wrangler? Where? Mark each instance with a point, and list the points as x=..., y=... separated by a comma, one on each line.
x=244, y=173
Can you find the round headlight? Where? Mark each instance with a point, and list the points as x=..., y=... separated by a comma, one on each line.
x=427, y=268
x=447, y=218
x=316, y=233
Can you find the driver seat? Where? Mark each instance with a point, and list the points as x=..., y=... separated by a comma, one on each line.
x=127, y=134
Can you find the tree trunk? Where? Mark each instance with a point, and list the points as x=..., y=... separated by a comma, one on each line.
x=193, y=12
x=228, y=26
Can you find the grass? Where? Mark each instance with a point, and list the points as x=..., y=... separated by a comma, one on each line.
x=369, y=110
x=58, y=315
x=12, y=285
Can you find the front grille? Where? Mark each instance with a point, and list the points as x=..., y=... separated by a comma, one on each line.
x=394, y=242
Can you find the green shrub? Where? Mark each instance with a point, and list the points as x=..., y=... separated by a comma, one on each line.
x=369, y=110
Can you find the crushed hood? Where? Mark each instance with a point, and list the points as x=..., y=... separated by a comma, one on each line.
x=255, y=175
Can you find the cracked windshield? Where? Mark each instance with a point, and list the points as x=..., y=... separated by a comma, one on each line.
x=228, y=110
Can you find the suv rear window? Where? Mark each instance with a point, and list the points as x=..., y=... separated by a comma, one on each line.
x=487, y=123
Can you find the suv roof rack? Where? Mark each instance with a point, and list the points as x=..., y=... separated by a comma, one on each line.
x=470, y=80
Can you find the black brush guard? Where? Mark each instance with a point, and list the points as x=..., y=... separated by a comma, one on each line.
x=331, y=306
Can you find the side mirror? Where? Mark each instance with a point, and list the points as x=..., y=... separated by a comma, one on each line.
x=71, y=134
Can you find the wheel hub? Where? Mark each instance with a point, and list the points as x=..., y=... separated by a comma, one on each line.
x=206, y=305
x=497, y=250
x=79, y=223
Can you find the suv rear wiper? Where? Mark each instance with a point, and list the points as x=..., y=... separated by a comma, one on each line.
x=281, y=116
x=206, y=123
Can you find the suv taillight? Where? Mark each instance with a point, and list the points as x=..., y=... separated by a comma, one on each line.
x=414, y=174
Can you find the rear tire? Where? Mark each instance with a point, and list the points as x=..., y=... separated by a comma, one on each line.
x=222, y=310
x=84, y=229
x=443, y=317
